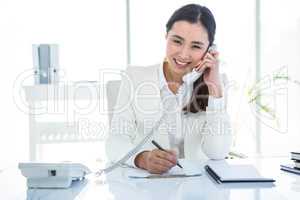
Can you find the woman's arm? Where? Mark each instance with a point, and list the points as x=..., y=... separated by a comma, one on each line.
x=124, y=135
x=123, y=126
x=217, y=135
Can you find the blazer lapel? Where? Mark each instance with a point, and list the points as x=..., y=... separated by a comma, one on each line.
x=148, y=105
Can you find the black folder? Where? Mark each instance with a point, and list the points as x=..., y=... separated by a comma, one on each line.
x=290, y=168
x=226, y=173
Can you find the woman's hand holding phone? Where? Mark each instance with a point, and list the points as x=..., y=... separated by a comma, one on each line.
x=209, y=64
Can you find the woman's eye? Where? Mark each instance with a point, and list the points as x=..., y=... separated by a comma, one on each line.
x=177, y=41
x=196, y=47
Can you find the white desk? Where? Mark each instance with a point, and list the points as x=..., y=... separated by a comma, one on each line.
x=117, y=185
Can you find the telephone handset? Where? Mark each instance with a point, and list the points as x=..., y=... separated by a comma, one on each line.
x=194, y=75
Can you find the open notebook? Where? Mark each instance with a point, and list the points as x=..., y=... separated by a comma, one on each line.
x=189, y=170
x=223, y=172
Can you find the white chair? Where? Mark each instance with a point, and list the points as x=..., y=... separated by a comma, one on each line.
x=112, y=91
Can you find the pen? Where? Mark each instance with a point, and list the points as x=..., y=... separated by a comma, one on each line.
x=160, y=148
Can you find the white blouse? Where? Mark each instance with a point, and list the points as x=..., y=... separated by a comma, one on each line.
x=178, y=131
x=173, y=105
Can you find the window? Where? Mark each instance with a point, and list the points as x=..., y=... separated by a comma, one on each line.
x=90, y=34
x=280, y=42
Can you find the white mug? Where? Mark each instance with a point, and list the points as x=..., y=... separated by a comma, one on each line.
x=216, y=147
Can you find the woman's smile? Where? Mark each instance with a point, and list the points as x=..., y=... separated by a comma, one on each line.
x=181, y=64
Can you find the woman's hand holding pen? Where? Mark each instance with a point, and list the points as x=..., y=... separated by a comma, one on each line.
x=156, y=161
x=210, y=65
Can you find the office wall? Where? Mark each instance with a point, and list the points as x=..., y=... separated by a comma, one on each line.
x=91, y=36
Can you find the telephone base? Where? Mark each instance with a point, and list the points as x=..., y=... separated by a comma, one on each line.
x=52, y=175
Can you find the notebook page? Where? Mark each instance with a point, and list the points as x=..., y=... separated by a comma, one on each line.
x=189, y=169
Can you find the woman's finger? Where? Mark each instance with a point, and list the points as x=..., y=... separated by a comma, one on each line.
x=155, y=165
x=209, y=56
x=200, y=67
x=209, y=64
x=157, y=169
x=163, y=162
x=205, y=65
x=166, y=156
x=214, y=53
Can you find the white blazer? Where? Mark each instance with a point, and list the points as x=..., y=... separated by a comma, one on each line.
x=139, y=106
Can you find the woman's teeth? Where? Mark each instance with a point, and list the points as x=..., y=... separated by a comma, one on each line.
x=181, y=63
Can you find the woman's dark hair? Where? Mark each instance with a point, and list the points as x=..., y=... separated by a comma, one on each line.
x=195, y=13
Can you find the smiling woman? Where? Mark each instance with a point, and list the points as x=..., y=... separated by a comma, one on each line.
x=190, y=32
x=189, y=109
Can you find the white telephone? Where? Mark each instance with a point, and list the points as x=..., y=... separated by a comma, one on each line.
x=52, y=175
x=194, y=75
x=191, y=77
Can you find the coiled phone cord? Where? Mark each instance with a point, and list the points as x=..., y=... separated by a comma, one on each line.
x=132, y=152
x=136, y=148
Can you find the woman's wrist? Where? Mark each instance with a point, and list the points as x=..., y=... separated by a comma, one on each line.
x=215, y=92
x=215, y=89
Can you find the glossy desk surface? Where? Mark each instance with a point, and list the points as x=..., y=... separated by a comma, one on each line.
x=117, y=185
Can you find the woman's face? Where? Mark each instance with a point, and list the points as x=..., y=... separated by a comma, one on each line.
x=186, y=46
